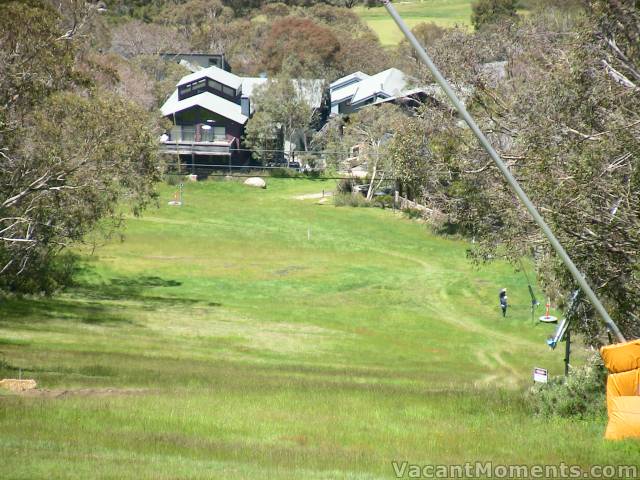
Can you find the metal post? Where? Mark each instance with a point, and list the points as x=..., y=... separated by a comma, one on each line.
x=504, y=170
x=567, y=352
x=533, y=318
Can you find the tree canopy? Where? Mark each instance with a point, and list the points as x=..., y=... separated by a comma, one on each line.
x=70, y=150
x=557, y=97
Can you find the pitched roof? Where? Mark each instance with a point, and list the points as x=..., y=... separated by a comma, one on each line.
x=249, y=84
x=344, y=93
x=208, y=101
x=354, y=76
x=389, y=82
x=309, y=90
x=214, y=73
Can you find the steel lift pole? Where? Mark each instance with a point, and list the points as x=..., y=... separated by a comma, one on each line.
x=504, y=170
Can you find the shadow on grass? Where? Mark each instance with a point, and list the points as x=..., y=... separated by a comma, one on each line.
x=28, y=311
x=136, y=289
x=93, y=303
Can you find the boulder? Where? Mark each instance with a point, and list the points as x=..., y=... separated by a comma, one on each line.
x=17, y=385
x=255, y=182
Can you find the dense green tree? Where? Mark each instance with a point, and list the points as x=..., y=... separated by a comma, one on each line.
x=410, y=157
x=330, y=140
x=282, y=111
x=301, y=46
x=488, y=12
x=373, y=128
x=69, y=152
x=564, y=117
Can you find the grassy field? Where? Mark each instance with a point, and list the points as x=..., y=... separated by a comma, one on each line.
x=447, y=13
x=250, y=334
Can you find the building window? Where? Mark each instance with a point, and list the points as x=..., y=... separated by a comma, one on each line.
x=199, y=86
x=217, y=86
x=184, y=91
x=229, y=91
x=188, y=133
x=210, y=133
x=219, y=133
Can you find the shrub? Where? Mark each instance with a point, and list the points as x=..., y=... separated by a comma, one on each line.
x=173, y=179
x=47, y=277
x=349, y=200
x=383, y=201
x=580, y=395
x=412, y=212
x=283, y=172
x=487, y=12
x=345, y=186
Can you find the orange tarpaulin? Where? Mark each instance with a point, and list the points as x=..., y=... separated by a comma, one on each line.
x=625, y=384
x=623, y=389
x=621, y=357
x=624, y=418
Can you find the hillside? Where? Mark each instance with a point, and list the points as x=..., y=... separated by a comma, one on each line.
x=447, y=13
x=250, y=334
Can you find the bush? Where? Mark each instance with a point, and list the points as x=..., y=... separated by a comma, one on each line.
x=173, y=179
x=349, y=200
x=383, y=201
x=283, y=172
x=47, y=277
x=345, y=186
x=487, y=12
x=412, y=212
x=581, y=395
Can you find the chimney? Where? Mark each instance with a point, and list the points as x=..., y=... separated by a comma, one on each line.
x=245, y=106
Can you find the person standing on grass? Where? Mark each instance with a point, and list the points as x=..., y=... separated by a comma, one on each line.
x=503, y=301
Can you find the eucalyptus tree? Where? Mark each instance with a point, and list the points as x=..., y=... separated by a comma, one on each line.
x=69, y=151
x=563, y=113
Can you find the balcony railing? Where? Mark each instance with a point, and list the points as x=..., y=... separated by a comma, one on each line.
x=198, y=134
x=197, y=141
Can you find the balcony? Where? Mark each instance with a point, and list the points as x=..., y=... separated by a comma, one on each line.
x=196, y=140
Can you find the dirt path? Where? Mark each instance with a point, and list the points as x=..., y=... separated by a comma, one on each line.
x=313, y=196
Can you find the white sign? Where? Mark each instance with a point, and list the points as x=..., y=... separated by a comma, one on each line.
x=540, y=375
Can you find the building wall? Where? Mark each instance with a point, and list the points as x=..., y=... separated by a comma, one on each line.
x=197, y=115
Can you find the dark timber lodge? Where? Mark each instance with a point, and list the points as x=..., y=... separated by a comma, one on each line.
x=209, y=110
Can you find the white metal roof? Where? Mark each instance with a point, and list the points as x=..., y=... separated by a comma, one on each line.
x=214, y=73
x=356, y=75
x=249, y=84
x=391, y=82
x=344, y=93
x=208, y=101
x=309, y=90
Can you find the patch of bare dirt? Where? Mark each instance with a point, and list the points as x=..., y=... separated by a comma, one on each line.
x=310, y=196
x=83, y=392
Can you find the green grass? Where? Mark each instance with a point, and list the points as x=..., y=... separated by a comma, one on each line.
x=447, y=13
x=218, y=341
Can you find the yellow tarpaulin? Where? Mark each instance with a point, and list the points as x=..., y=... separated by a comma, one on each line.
x=621, y=357
x=625, y=384
x=623, y=389
x=624, y=418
